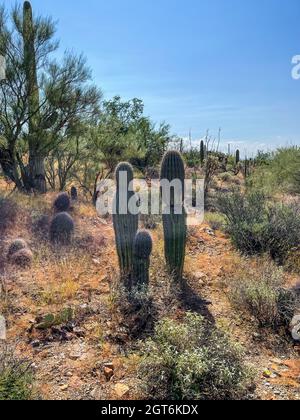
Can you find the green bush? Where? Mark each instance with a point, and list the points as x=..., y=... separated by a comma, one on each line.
x=278, y=172
x=261, y=293
x=258, y=227
x=16, y=377
x=190, y=361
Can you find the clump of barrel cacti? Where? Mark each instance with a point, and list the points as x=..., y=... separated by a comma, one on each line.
x=74, y=194
x=22, y=258
x=16, y=246
x=174, y=223
x=125, y=223
x=62, y=202
x=61, y=229
x=142, y=251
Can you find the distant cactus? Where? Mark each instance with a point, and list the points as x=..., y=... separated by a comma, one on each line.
x=22, y=258
x=142, y=251
x=62, y=202
x=74, y=194
x=61, y=229
x=16, y=246
x=202, y=152
x=175, y=228
x=237, y=157
x=125, y=223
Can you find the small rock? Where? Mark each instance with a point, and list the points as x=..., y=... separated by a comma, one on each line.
x=74, y=356
x=96, y=262
x=295, y=328
x=64, y=387
x=121, y=390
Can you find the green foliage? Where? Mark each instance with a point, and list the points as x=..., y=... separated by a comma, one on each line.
x=141, y=263
x=125, y=223
x=260, y=292
x=256, y=226
x=192, y=361
x=175, y=228
x=16, y=377
x=61, y=229
x=278, y=172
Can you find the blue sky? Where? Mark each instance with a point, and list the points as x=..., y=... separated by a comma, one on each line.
x=197, y=64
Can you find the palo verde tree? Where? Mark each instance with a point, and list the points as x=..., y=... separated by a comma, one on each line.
x=42, y=103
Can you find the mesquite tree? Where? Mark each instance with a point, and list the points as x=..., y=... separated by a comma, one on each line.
x=41, y=102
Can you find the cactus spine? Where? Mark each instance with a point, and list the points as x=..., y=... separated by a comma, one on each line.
x=125, y=223
x=175, y=228
x=142, y=251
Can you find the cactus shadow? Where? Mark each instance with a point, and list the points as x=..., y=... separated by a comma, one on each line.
x=192, y=302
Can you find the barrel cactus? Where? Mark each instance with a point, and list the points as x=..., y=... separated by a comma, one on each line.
x=16, y=246
x=125, y=223
x=62, y=202
x=174, y=223
x=61, y=229
x=142, y=251
x=23, y=258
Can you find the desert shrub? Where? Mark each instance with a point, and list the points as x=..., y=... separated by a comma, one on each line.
x=62, y=202
x=226, y=177
x=215, y=220
x=40, y=225
x=259, y=290
x=8, y=213
x=279, y=172
x=74, y=193
x=246, y=220
x=187, y=361
x=16, y=377
x=61, y=228
x=22, y=258
x=150, y=221
x=16, y=246
x=257, y=227
x=282, y=234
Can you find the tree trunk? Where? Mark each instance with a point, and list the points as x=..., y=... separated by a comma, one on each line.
x=38, y=173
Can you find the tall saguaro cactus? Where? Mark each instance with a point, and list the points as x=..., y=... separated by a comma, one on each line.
x=125, y=223
x=175, y=228
x=142, y=251
x=36, y=159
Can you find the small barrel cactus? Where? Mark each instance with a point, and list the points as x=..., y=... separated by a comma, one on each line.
x=174, y=223
x=22, y=258
x=74, y=194
x=61, y=229
x=143, y=245
x=62, y=203
x=125, y=223
x=16, y=246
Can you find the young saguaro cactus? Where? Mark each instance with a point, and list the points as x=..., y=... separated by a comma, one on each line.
x=125, y=223
x=175, y=227
x=143, y=245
